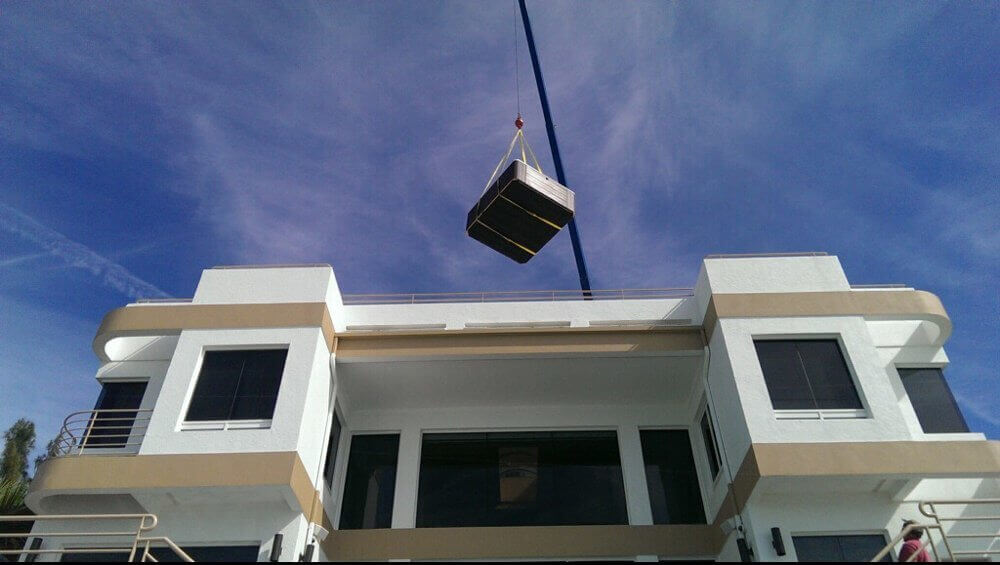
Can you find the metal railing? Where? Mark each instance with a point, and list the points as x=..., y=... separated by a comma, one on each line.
x=131, y=540
x=120, y=430
x=519, y=296
x=941, y=532
x=164, y=300
x=766, y=255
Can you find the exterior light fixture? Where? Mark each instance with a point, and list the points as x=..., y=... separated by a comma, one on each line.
x=777, y=542
x=276, y=548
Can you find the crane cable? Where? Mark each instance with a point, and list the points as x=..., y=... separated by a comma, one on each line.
x=518, y=122
x=517, y=73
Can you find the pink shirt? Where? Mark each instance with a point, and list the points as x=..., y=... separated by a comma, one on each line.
x=909, y=548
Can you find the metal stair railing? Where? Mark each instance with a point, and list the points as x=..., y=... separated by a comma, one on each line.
x=134, y=541
x=944, y=526
x=120, y=429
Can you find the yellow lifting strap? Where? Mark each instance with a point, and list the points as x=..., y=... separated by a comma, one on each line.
x=518, y=138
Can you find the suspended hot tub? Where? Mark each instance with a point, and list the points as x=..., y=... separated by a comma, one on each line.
x=520, y=212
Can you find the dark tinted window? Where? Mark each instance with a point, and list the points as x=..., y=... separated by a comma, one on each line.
x=932, y=401
x=708, y=436
x=370, y=483
x=520, y=479
x=219, y=553
x=671, y=477
x=857, y=548
x=112, y=426
x=216, y=554
x=88, y=557
x=806, y=374
x=237, y=385
x=331, y=450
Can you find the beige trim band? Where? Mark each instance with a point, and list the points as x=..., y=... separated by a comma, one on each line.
x=896, y=459
x=893, y=304
x=172, y=319
x=109, y=474
x=523, y=542
x=528, y=342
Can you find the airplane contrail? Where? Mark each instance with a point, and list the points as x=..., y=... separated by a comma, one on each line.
x=77, y=255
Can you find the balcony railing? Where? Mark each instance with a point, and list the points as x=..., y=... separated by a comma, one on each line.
x=519, y=296
x=113, y=538
x=969, y=530
x=103, y=431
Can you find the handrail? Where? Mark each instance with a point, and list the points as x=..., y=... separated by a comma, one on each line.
x=113, y=428
x=517, y=296
x=945, y=525
x=164, y=300
x=146, y=522
x=765, y=255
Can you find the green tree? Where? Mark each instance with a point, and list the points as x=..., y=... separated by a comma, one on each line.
x=12, y=495
x=51, y=450
x=19, y=440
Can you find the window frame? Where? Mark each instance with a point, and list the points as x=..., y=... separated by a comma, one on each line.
x=340, y=474
x=951, y=395
x=892, y=555
x=615, y=429
x=700, y=469
x=336, y=415
x=703, y=412
x=231, y=424
x=815, y=413
x=143, y=422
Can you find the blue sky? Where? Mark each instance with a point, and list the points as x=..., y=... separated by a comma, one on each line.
x=143, y=142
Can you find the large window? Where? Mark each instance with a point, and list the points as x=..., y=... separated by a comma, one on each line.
x=708, y=436
x=857, y=548
x=237, y=385
x=932, y=401
x=806, y=374
x=671, y=477
x=331, y=450
x=211, y=553
x=520, y=479
x=112, y=425
x=370, y=483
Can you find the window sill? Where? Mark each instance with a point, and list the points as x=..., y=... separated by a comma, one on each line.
x=226, y=425
x=838, y=414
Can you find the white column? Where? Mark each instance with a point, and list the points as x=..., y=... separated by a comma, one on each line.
x=633, y=472
x=404, y=504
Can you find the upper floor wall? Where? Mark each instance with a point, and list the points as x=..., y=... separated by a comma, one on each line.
x=736, y=301
x=752, y=306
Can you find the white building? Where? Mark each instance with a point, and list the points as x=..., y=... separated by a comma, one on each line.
x=773, y=406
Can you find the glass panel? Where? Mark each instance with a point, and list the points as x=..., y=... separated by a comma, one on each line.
x=520, y=479
x=784, y=375
x=257, y=392
x=709, y=438
x=94, y=557
x=370, y=483
x=856, y=548
x=331, y=451
x=819, y=548
x=671, y=477
x=828, y=376
x=216, y=388
x=214, y=554
x=113, y=428
x=237, y=385
x=932, y=401
x=862, y=548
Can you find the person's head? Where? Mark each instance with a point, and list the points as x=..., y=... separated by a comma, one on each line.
x=915, y=533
